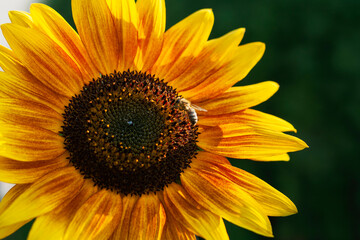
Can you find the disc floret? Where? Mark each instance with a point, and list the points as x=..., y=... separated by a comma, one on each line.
x=128, y=133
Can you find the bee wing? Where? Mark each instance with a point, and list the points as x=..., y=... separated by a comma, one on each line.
x=196, y=107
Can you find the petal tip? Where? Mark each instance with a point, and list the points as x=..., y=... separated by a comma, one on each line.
x=267, y=232
x=207, y=13
x=294, y=210
x=12, y=29
x=5, y=28
x=238, y=33
x=262, y=45
x=299, y=144
x=37, y=5
x=274, y=85
x=303, y=144
x=242, y=30
x=12, y=13
x=259, y=45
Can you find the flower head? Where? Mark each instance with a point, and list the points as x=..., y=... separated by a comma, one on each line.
x=121, y=130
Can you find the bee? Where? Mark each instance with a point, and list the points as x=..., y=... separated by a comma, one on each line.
x=191, y=109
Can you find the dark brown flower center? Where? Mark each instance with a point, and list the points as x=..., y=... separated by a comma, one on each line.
x=129, y=133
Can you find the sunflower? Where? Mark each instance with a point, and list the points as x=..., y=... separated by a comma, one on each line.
x=121, y=130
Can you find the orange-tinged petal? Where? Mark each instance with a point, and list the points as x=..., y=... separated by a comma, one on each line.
x=248, y=117
x=239, y=98
x=96, y=218
x=214, y=56
x=18, y=82
x=12, y=195
x=273, y=202
x=152, y=20
x=174, y=230
x=240, y=141
x=182, y=43
x=29, y=143
x=238, y=66
x=220, y=195
x=21, y=18
x=126, y=21
x=192, y=215
x=9, y=197
x=147, y=218
x=54, y=224
x=43, y=196
x=98, y=32
x=16, y=111
x=12, y=171
x=44, y=59
x=51, y=23
x=122, y=230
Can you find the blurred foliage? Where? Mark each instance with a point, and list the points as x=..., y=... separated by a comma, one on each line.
x=313, y=53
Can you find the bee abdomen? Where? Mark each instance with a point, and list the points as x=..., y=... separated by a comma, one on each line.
x=193, y=116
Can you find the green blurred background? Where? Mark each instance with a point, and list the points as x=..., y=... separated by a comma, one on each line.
x=313, y=52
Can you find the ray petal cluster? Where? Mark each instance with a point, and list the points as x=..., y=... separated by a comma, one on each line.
x=122, y=47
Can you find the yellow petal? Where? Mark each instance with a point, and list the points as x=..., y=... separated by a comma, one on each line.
x=16, y=111
x=44, y=59
x=174, y=230
x=54, y=224
x=11, y=64
x=235, y=69
x=122, y=230
x=192, y=215
x=98, y=32
x=182, y=43
x=8, y=230
x=147, y=218
x=41, y=197
x=97, y=217
x=29, y=143
x=281, y=157
x=51, y=23
x=239, y=98
x=8, y=53
x=18, y=82
x=12, y=171
x=21, y=18
x=225, y=198
x=273, y=202
x=126, y=21
x=248, y=117
x=152, y=16
x=10, y=196
x=240, y=141
x=212, y=57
